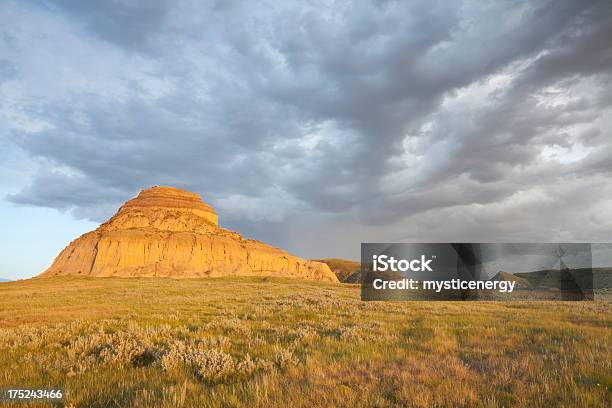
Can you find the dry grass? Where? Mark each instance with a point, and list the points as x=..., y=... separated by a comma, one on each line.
x=273, y=343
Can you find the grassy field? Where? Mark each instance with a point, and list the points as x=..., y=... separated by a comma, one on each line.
x=279, y=343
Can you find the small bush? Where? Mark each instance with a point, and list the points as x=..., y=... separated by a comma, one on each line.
x=213, y=364
x=284, y=357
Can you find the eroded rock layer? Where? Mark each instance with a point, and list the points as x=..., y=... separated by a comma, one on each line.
x=166, y=231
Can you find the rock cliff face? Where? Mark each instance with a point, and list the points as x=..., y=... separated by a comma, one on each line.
x=166, y=231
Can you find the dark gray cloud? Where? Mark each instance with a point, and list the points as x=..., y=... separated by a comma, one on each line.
x=319, y=125
x=126, y=23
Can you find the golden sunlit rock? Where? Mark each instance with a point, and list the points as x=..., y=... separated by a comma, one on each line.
x=166, y=231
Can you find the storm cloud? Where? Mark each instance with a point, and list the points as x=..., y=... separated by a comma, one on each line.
x=318, y=125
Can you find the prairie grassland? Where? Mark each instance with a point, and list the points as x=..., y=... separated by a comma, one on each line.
x=267, y=342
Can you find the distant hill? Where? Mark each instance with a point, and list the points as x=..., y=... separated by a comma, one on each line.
x=521, y=283
x=353, y=278
x=4, y=280
x=602, y=277
x=343, y=268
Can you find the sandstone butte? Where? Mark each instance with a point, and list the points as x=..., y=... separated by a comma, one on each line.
x=170, y=232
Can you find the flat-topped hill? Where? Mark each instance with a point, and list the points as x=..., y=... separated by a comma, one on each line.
x=166, y=231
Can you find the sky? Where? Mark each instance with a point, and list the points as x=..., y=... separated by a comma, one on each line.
x=310, y=125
